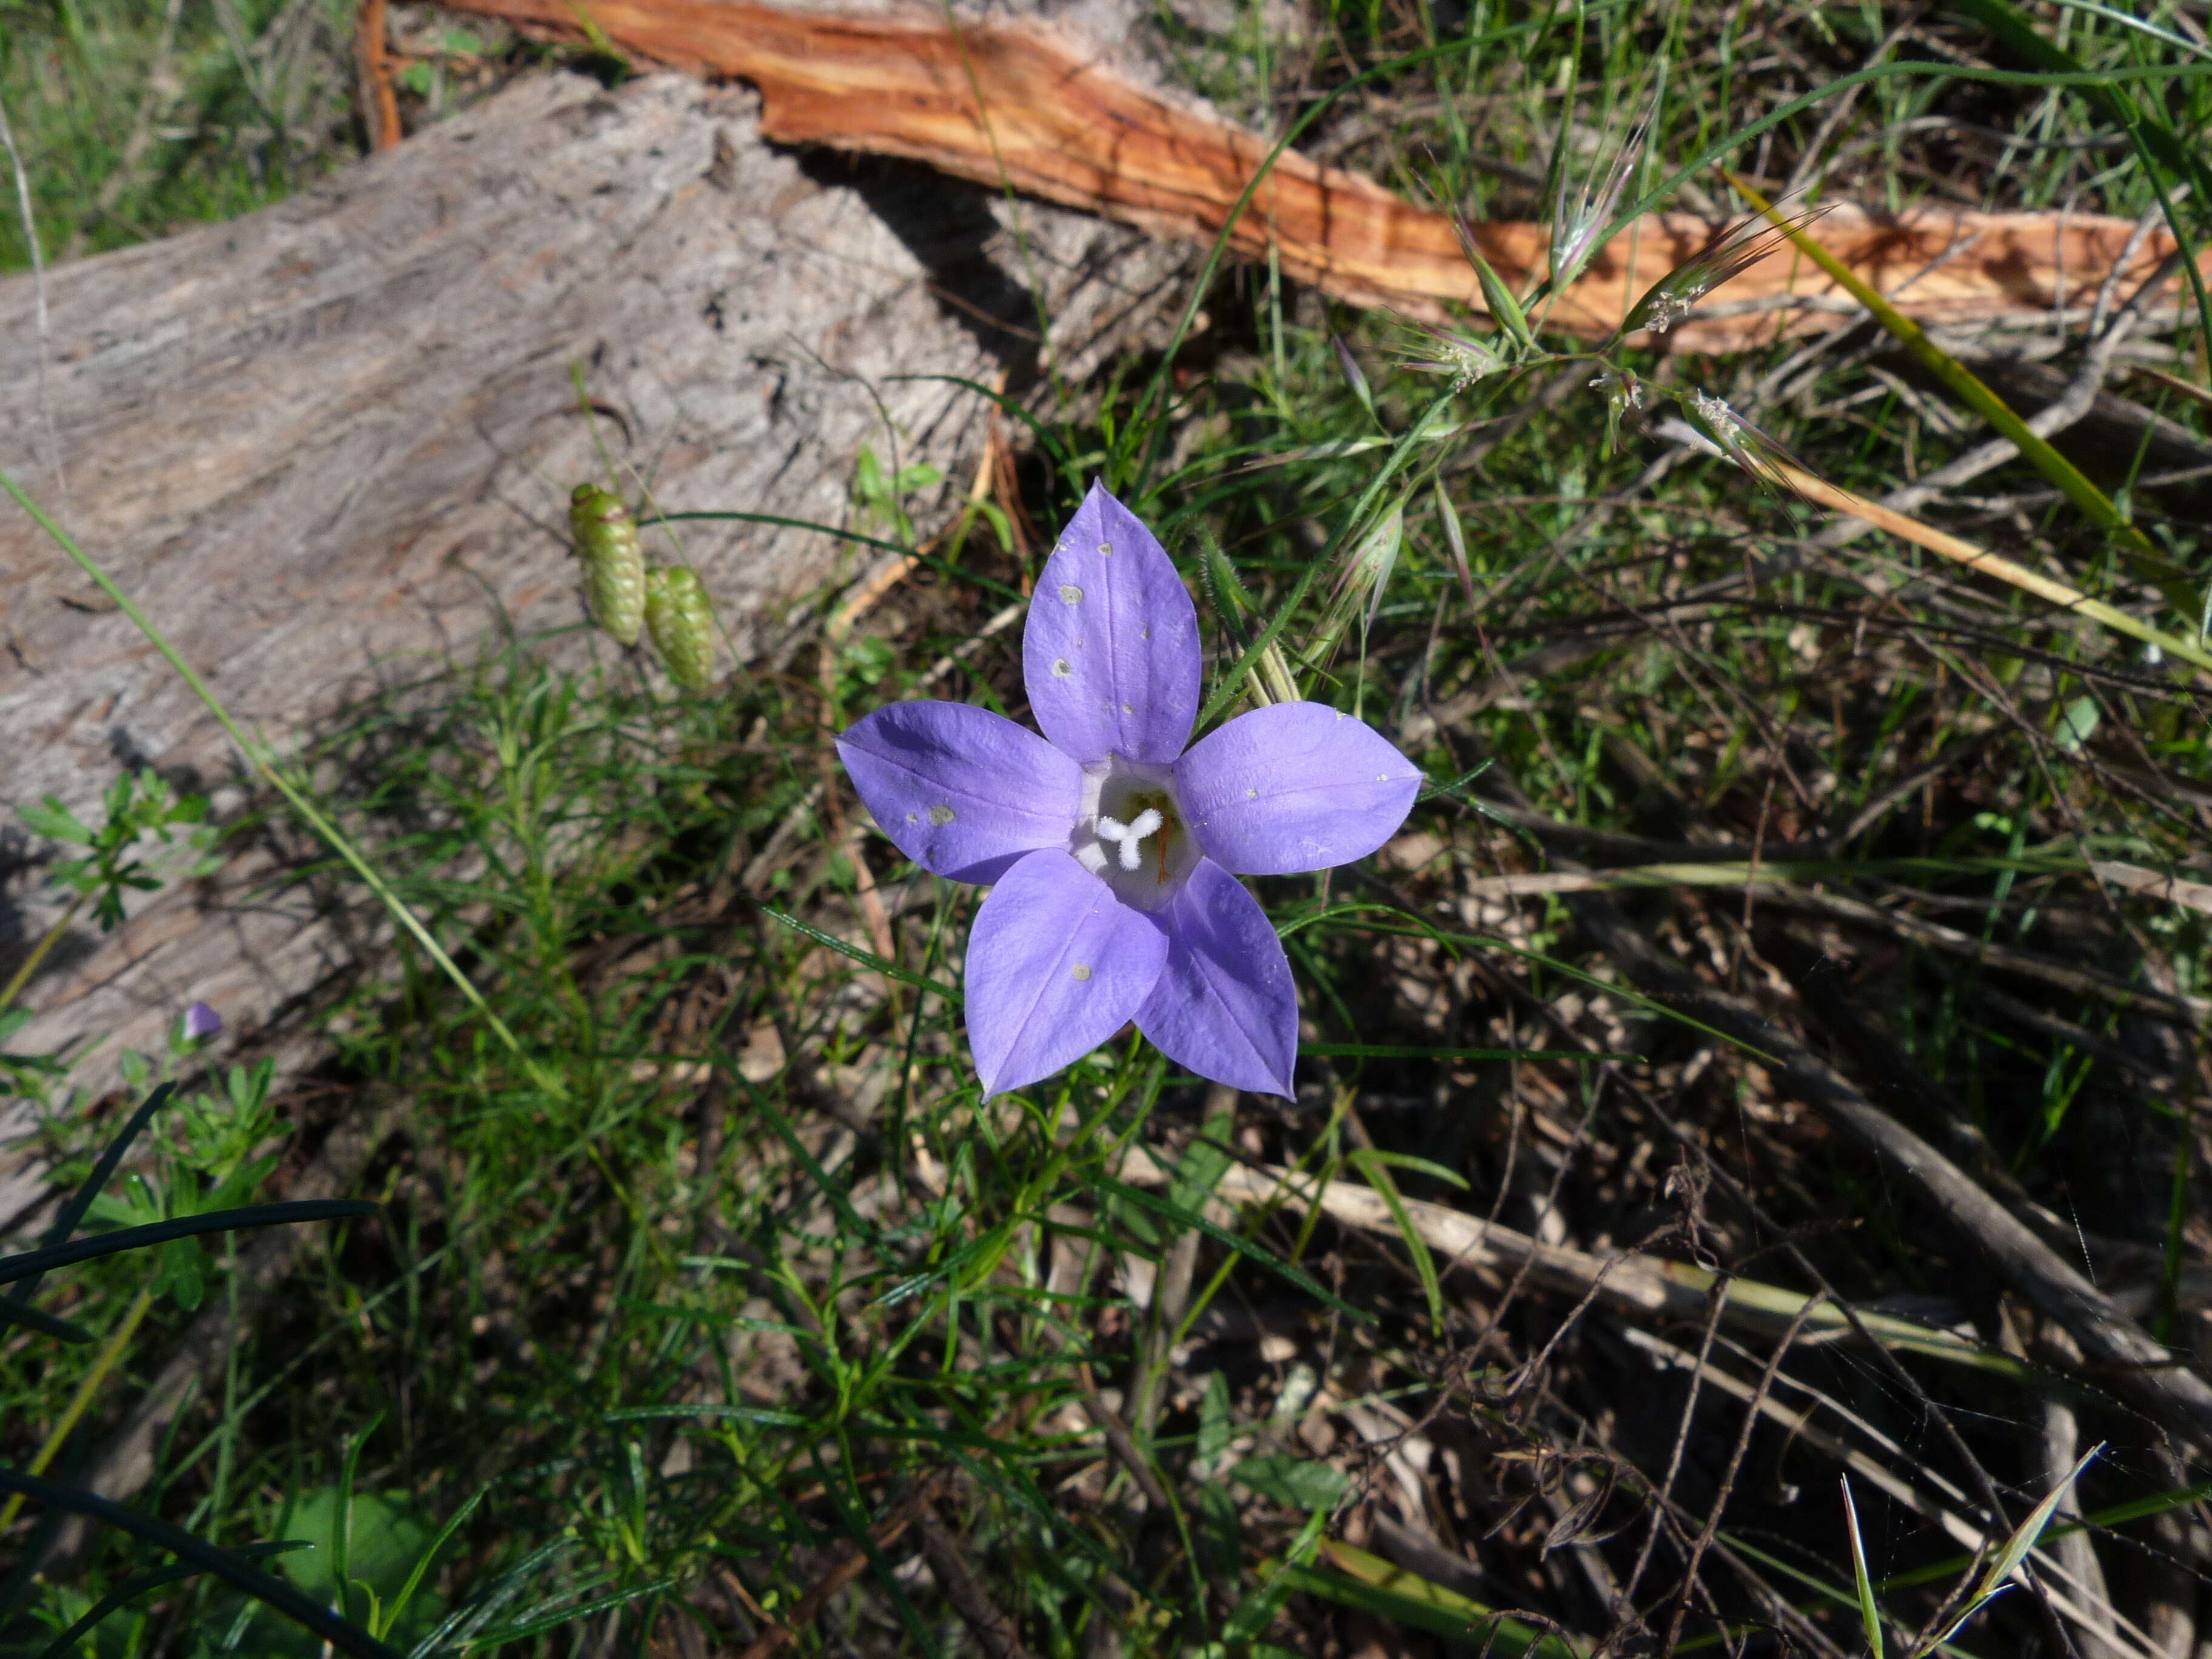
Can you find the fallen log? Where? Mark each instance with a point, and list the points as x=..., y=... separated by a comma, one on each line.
x=329, y=446
x=1022, y=104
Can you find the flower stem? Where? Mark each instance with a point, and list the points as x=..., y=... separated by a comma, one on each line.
x=109, y=1356
x=50, y=939
x=1906, y=528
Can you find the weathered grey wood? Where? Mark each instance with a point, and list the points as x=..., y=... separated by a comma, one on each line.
x=316, y=442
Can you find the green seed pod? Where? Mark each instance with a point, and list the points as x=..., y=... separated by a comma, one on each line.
x=682, y=619
x=614, y=568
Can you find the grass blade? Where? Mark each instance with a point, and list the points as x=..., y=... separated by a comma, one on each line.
x=187, y=1226
x=1869, y=1615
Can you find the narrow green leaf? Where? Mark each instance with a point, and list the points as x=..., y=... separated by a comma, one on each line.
x=1424, y=1166
x=1424, y=1265
x=1374, y=1585
x=866, y=959
x=1257, y=1611
x=1998, y=1578
x=1869, y=1615
x=761, y=1414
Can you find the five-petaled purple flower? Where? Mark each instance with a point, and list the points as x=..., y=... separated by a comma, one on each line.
x=200, y=1022
x=1112, y=850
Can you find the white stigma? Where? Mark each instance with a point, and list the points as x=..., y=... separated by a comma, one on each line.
x=1131, y=837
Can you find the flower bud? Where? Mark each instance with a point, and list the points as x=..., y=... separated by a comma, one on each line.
x=681, y=618
x=614, y=568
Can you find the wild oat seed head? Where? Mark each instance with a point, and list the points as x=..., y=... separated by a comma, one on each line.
x=1728, y=256
x=1440, y=351
x=1581, y=207
x=1762, y=457
x=1624, y=391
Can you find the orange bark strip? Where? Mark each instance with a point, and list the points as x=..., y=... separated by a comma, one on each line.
x=380, y=103
x=1019, y=104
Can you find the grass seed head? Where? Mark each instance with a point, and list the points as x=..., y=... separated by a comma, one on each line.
x=1728, y=256
x=1624, y=393
x=1362, y=575
x=681, y=619
x=1765, y=459
x=1430, y=350
x=1581, y=207
x=1354, y=377
x=614, y=567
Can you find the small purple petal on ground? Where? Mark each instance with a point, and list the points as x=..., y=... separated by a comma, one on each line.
x=1056, y=965
x=961, y=791
x=1295, y=786
x=1224, y=1007
x=1110, y=652
x=201, y=1021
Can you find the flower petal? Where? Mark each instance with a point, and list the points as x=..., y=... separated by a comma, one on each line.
x=1224, y=1007
x=1056, y=965
x=961, y=791
x=1110, y=651
x=1295, y=786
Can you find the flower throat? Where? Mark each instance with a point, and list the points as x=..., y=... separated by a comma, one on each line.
x=1134, y=835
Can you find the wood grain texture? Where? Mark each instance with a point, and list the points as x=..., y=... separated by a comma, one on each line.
x=327, y=445
x=1043, y=109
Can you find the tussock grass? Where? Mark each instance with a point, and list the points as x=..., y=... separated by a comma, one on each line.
x=760, y=1319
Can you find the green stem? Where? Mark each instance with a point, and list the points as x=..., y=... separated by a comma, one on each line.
x=52, y=936
x=1400, y=454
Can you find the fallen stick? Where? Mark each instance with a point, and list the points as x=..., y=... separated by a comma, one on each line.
x=1022, y=104
x=1628, y=1282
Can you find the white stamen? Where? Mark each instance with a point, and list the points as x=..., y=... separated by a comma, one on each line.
x=1130, y=837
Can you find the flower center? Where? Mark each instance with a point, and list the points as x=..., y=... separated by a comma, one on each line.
x=1132, y=833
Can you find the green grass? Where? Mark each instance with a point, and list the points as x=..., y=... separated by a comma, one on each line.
x=131, y=129
x=696, y=1288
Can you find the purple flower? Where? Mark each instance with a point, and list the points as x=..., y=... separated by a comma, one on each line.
x=1112, y=844
x=201, y=1022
